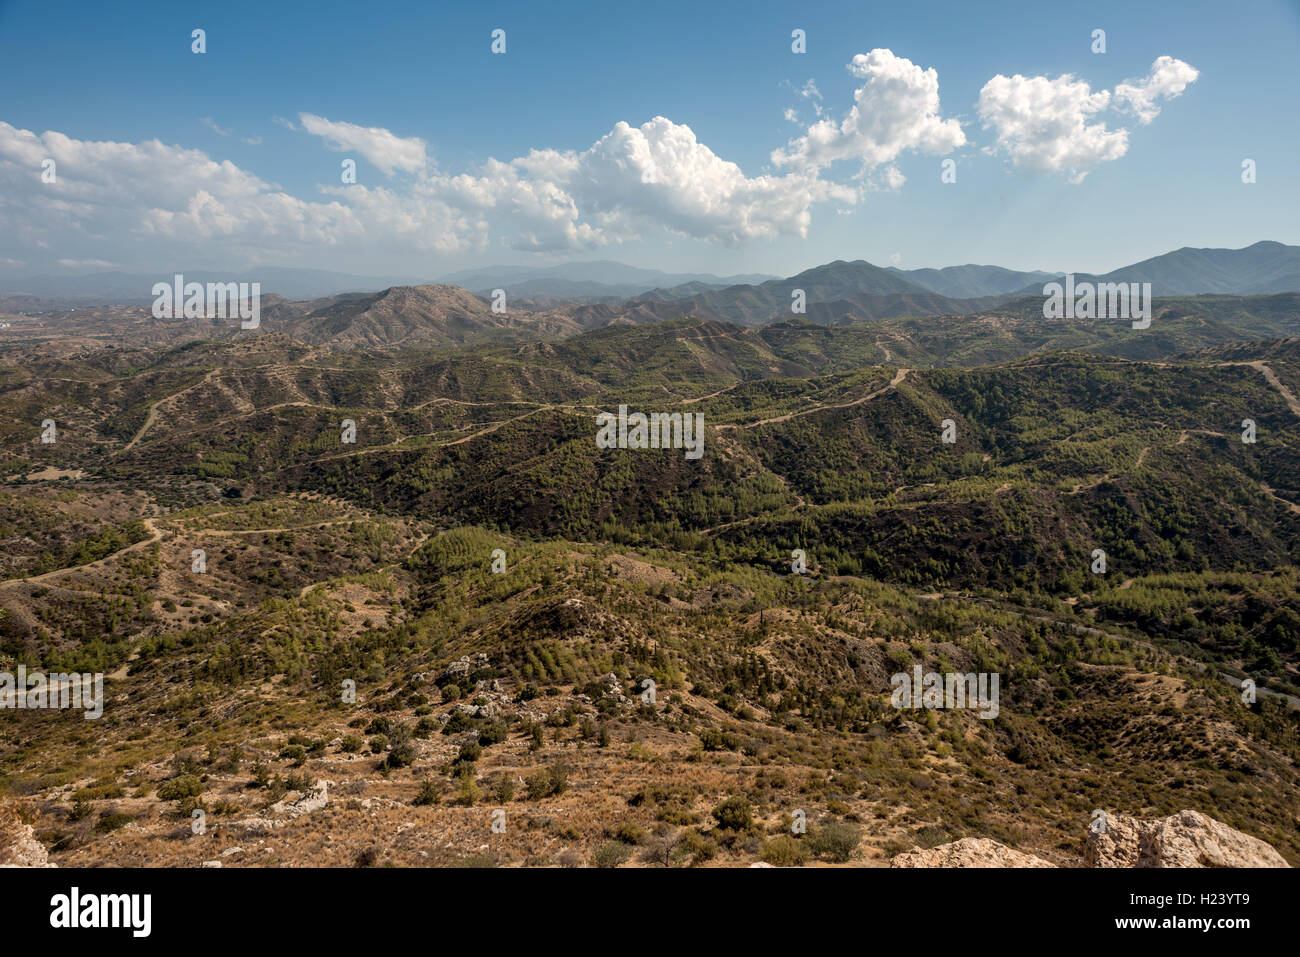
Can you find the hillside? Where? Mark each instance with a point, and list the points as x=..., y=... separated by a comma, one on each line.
x=371, y=562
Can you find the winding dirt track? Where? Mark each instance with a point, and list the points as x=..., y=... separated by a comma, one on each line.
x=1287, y=395
x=899, y=376
x=155, y=534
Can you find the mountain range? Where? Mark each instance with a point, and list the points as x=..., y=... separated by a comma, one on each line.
x=599, y=279
x=839, y=293
x=1260, y=269
x=1265, y=267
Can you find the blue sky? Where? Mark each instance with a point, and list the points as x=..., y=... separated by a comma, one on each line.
x=229, y=185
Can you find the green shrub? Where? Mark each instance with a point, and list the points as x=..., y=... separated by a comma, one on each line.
x=545, y=782
x=468, y=792
x=401, y=755
x=610, y=854
x=835, y=840
x=505, y=788
x=428, y=794
x=111, y=822
x=629, y=833
x=183, y=786
x=734, y=814
x=470, y=752
x=783, y=851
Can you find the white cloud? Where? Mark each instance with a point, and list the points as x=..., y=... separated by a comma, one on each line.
x=108, y=195
x=1043, y=125
x=381, y=147
x=211, y=124
x=1167, y=79
x=1049, y=126
x=86, y=264
x=896, y=109
x=631, y=181
x=169, y=202
x=660, y=173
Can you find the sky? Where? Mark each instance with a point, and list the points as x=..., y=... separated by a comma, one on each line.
x=686, y=137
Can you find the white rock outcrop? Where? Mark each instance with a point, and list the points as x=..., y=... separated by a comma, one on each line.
x=968, y=852
x=1185, y=839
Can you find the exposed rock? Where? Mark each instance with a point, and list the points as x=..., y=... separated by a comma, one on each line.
x=493, y=706
x=294, y=805
x=1185, y=839
x=18, y=844
x=466, y=665
x=313, y=799
x=968, y=852
x=612, y=684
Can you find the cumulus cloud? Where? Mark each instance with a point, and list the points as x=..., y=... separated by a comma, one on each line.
x=107, y=194
x=632, y=181
x=1168, y=78
x=1043, y=125
x=1053, y=125
x=895, y=109
x=381, y=147
x=659, y=172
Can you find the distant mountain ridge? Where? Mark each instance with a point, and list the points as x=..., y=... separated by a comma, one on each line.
x=847, y=291
x=1261, y=269
x=971, y=281
x=589, y=280
x=834, y=294
x=135, y=287
x=756, y=304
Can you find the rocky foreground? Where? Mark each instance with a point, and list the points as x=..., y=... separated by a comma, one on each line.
x=1185, y=839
